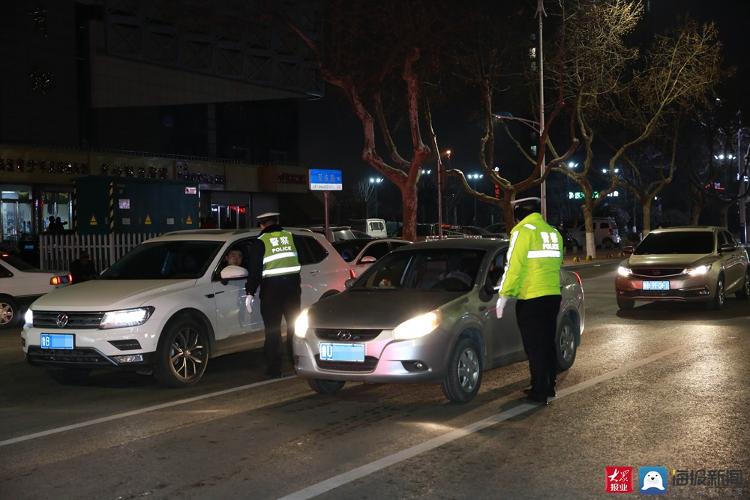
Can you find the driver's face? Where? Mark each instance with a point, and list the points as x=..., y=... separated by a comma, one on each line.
x=234, y=258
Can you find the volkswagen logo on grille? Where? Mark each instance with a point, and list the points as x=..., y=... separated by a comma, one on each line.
x=62, y=320
x=656, y=272
x=344, y=335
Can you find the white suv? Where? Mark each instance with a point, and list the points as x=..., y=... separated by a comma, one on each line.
x=168, y=306
x=606, y=234
x=20, y=285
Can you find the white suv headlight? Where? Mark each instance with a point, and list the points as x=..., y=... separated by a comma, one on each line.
x=28, y=318
x=126, y=317
x=624, y=271
x=698, y=270
x=301, y=324
x=418, y=326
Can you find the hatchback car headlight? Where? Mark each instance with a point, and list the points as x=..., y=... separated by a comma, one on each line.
x=418, y=326
x=698, y=270
x=301, y=324
x=28, y=318
x=126, y=317
x=624, y=271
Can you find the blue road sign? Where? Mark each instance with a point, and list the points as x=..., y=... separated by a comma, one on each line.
x=325, y=180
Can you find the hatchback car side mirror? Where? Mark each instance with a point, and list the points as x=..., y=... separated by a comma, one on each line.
x=727, y=248
x=627, y=250
x=487, y=291
x=349, y=283
x=368, y=259
x=233, y=273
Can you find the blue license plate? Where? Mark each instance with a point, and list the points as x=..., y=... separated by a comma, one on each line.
x=656, y=285
x=353, y=353
x=57, y=341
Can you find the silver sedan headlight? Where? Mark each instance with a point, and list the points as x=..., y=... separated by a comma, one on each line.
x=418, y=326
x=698, y=270
x=301, y=324
x=126, y=317
x=624, y=271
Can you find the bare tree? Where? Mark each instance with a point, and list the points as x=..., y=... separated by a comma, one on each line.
x=365, y=191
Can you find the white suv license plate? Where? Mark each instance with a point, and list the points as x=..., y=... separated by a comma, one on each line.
x=57, y=341
x=352, y=353
x=656, y=285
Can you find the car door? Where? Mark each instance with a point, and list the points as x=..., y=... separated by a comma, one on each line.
x=504, y=338
x=734, y=269
x=232, y=317
x=316, y=276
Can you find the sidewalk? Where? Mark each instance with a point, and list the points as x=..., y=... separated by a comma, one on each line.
x=578, y=259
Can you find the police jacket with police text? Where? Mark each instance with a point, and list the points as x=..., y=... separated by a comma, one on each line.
x=273, y=254
x=534, y=259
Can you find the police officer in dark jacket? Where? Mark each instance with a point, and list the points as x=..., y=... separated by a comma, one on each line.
x=274, y=266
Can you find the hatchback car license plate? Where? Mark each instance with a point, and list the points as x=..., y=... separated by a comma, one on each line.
x=353, y=353
x=656, y=285
x=57, y=341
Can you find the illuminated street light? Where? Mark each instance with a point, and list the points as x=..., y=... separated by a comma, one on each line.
x=376, y=180
x=572, y=165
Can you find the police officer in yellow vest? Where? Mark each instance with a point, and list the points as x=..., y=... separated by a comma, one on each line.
x=275, y=267
x=532, y=276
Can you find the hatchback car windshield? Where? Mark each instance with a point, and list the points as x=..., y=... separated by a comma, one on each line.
x=677, y=242
x=165, y=260
x=450, y=270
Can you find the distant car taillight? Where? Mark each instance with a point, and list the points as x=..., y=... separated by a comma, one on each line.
x=55, y=280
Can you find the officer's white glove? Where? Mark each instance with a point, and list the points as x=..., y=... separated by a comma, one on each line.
x=500, y=306
x=249, y=303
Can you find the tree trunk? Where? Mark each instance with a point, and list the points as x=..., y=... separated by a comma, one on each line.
x=409, y=205
x=695, y=212
x=724, y=213
x=646, y=217
x=588, y=221
x=508, y=218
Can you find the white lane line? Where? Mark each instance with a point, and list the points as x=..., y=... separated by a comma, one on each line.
x=436, y=442
x=139, y=411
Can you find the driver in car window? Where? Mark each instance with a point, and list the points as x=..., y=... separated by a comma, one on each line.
x=233, y=257
x=456, y=268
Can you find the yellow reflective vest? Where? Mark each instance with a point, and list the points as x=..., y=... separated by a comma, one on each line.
x=535, y=255
x=280, y=255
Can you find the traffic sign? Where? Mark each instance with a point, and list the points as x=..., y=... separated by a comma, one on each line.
x=325, y=180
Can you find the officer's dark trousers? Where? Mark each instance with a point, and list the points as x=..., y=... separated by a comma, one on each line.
x=279, y=298
x=537, y=320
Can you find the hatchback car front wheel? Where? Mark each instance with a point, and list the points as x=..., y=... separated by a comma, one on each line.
x=8, y=312
x=720, y=295
x=744, y=292
x=464, y=374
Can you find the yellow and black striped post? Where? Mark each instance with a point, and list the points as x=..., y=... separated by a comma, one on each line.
x=111, y=193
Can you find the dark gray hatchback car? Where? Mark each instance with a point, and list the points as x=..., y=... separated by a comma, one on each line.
x=425, y=313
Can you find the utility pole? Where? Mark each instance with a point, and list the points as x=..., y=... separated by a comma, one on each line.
x=541, y=13
x=741, y=175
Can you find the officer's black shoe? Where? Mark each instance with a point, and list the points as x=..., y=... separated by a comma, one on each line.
x=550, y=392
x=537, y=398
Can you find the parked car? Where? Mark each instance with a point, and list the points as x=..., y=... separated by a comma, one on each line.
x=425, y=313
x=339, y=233
x=20, y=285
x=474, y=231
x=497, y=230
x=606, y=234
x=169, y=305
x=374, y=228
x=688, y=264
x=361, y=254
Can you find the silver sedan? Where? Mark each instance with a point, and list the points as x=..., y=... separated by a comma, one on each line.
x=425, y=313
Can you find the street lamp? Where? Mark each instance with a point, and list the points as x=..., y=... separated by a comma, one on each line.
x=475, y=177
x=375, y=181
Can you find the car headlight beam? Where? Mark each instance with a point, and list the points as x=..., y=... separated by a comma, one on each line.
x=28, y=318
x=301, y=324
x=698, y=270
x=624, y=271
x=126, y=317
x=418, y=326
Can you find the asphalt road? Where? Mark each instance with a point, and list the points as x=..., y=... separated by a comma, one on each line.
x=662, y=385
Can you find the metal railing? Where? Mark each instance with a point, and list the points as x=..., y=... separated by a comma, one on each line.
x=57, y=251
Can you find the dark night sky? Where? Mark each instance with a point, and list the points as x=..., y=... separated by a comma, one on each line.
x=330, y=136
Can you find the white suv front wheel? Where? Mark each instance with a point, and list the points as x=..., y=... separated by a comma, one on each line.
x=183, y=351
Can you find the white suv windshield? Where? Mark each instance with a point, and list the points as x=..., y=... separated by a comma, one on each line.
x=165, y=260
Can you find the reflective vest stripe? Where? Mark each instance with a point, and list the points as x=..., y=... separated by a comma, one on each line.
x=530, y=226
x=281, y=270
x=278, y=256
x=513, y=238
x=543, y=254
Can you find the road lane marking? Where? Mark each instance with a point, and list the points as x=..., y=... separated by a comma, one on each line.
x=436, y=442
x=139, y=411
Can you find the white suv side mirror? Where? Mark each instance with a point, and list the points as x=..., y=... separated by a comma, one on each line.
x=233, y=273
x=368, y=259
